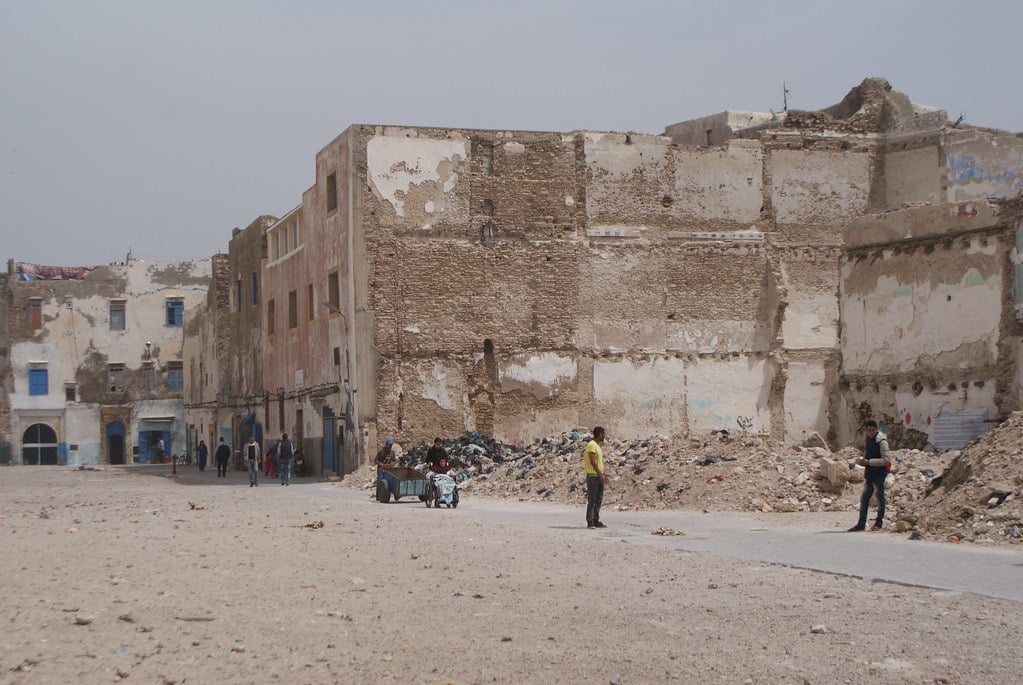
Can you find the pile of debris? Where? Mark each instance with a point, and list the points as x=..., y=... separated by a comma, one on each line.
x=979, y=497
x=928, y=492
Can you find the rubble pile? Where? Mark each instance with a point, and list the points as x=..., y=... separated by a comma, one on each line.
x=973, y=493
x=979, y=497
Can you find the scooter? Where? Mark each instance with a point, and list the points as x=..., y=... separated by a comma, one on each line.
x=298, y=468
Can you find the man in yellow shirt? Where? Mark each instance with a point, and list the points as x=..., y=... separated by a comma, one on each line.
x=596, y=478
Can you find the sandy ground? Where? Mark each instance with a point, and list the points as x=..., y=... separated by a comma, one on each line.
x=114, y=574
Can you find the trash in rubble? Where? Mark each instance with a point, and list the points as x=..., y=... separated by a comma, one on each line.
x=713, y=459
x=927, y=472
x=714, y=480
x=664, y=530
x=916, y=535
x=194, y=506
x=314, y=525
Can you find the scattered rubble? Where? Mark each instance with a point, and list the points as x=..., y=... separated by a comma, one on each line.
x=973, y=494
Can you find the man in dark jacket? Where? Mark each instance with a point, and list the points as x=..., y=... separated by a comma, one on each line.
x=877, y=461
x=222, y=455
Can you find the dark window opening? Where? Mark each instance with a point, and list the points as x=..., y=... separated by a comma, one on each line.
x=293, y=309
x=271, y=317
x=175, y=376
x=333, y=290
x=70, y=393
x=331, y=192
x=115, y=375
x=36, y=307
x=255, y=288
x=487, y=158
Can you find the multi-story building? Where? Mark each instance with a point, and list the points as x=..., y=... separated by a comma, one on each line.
x=93, y=367
x=435, y=281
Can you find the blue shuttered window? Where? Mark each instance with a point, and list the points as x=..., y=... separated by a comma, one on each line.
x=38, y=381
x=175, y=310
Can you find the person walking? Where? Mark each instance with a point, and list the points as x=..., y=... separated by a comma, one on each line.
x=285, y=453
x=204, y=454
x=253, y=457
x=877, y=460
x=596, y=478
x=270, y=460
x=222, y=455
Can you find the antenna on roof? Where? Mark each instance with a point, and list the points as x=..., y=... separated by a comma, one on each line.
x=785, y=96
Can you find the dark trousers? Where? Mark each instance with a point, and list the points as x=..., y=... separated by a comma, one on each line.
x=872, y=486
x=222, y=466
x=594, y=498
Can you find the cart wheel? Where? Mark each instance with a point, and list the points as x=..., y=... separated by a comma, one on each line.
x=383, y=494
x=429, y=502
x=454, y=500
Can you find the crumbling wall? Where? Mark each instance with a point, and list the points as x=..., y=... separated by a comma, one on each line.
x=925, y=300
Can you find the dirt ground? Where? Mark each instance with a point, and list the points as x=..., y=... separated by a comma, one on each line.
x=111, y=575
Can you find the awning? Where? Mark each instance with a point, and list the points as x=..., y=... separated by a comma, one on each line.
x=156, y=419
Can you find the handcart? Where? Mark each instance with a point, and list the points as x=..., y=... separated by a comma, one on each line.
x=400, y=481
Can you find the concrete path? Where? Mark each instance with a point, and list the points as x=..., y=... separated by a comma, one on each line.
x=815, y=542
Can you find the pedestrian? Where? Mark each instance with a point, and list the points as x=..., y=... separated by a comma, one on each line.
x=285, y=453
x=254, y=457
x=877, y=460
x=222, y=455
x=596, y=478
x=385, y=457
x=270, y=459
x=160, y=451
x=204, y=454
x=435, y=454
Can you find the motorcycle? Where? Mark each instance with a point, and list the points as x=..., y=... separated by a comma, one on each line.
x=299, y=465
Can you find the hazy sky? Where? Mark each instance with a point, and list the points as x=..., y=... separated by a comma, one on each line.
x=160, y=126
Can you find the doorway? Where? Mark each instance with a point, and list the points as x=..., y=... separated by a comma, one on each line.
x=115, y=443
x=39, y=446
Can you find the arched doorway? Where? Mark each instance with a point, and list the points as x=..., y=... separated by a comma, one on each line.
x=115, y=443
x=39, y=445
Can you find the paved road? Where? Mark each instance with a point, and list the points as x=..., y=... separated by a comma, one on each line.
x=810, y=541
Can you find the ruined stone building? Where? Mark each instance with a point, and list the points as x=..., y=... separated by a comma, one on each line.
x=91, y=366
x=785, y=273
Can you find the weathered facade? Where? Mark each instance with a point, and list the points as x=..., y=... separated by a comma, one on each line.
x=95, y=370
x=224, y=392
x=435, y=281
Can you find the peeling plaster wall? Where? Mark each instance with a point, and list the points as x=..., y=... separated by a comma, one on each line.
x=928, y=336
x=640, y=397
x=806, y=401
x=913, y=175
x=721, y=393
x=645, y=181
x=983, y=165
x=899, y=312
x=77, y=345
x=809, y=186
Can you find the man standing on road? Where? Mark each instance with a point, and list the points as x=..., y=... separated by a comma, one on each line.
x=877, y=461
x=252, y=456
x=285, y=453
x=596, y=478
x=223, y=455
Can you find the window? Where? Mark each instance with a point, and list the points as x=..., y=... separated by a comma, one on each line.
x=333, y=291
x=70, y=392
x=115, y=375
x=175, y=309
x=149, y=376
x=284, y=241
x=38, y=381
x=487, y=158
x=36, y=309
x=331, y=192
x=277, y=244
x=117, y=315
x=293, y=309
x=255, y=288
x=294, y=233
x=271, y=317
x=175, y=376
x=310, y=302
x=238, y=295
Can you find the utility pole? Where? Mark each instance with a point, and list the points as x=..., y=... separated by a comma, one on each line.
x=785, y=96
